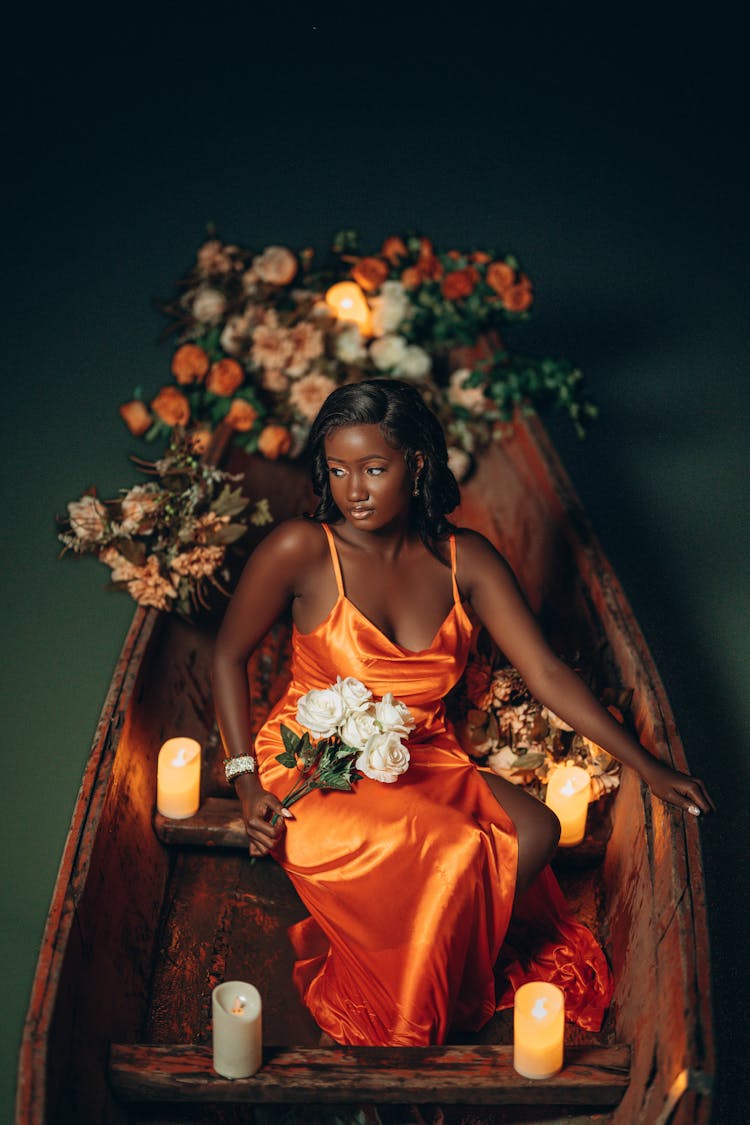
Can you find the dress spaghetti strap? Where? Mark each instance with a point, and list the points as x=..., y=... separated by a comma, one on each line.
x=334, y=559
x=456, y=591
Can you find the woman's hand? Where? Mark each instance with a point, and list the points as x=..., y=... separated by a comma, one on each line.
x=688, y=793
x=258, y=810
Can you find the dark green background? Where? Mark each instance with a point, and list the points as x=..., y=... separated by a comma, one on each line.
x=606, y=150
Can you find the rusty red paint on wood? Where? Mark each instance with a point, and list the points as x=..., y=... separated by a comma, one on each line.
x=591, y=1076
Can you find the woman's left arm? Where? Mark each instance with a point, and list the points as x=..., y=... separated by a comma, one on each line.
x=488, y=582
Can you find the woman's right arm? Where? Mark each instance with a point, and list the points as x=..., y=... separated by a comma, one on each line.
x=268, y=583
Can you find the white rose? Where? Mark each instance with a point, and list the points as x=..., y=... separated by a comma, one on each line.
x=415, y=363
x=358, y=728
x=209, y=305
x=320, y=712
x=459, y=462
x=276, y=265
x=384, y=757
x=390, y=308
x=235, y=335
x=353, y=692
x=388, y=351
x=350, y=346
x=88, y=518
x=393, y=715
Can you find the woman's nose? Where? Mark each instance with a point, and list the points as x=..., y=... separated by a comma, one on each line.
x=357, y=487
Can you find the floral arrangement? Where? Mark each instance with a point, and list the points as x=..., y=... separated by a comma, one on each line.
x=503, y=727
x=262, y=338
x=348, y=733
x=165, y=542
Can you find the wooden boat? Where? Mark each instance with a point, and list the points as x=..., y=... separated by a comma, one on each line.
x=148, y=915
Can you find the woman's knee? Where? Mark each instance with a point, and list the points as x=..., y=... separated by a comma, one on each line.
x=538, y=836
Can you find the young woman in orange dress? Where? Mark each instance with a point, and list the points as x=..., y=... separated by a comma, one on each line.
x=413, y=888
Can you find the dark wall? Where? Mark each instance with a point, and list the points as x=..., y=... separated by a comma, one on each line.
x=604, y=148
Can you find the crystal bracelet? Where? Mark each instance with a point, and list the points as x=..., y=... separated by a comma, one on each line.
x=233, y=767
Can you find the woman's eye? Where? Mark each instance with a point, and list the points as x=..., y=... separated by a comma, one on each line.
x=375, y=470
x=335, y=472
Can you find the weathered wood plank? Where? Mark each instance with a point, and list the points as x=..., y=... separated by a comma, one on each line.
x=218, y=824
x=484, y=1075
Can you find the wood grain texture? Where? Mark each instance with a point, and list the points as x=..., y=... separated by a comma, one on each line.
x=591, y=1076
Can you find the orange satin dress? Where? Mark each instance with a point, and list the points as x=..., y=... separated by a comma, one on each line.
x=410, y=885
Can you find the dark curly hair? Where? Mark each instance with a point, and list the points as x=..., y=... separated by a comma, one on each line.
x=406, y=423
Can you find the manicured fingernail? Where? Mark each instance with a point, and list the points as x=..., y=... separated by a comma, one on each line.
x=286, y=813
x=694, y=810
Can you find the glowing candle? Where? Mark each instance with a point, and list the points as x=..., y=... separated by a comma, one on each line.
x=178, y=778
x=568, y=796
x=237, y=1029
x=538, y=1027
x=349, y=303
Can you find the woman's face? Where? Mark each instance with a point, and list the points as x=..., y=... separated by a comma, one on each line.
x=370, y=482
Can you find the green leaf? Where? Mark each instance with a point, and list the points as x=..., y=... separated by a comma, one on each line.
x=228, y=533
x=229, y=502
x=132, y=550
x=528, y=761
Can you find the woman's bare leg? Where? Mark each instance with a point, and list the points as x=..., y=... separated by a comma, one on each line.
x=537, y=827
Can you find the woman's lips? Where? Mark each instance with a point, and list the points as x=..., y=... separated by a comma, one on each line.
x=360, y=513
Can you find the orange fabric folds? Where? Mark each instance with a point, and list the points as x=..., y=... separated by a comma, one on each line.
x=410, y=886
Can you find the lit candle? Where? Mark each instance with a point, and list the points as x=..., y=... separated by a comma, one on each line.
x=178, y=778
x=538, y=1027
x=237, y=1032
x=349, y=303
x=568, y=796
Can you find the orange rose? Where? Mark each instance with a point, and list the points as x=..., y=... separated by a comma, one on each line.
x=274, y=441
x=171, y=406
x=426, y=249
x=190, y=364
x=480, y=257
x=500, y=276
x=136, y=417
x=242, y=415
x=518, y=298
x=225, y=377
x=370, y=273
x=430, y=266
x=412, y=277
x=393, y=249
x=454, y=255
x=460, y=283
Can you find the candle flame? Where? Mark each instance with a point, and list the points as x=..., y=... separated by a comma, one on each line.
x=238, y=1008
x=182, y=757
x=539, y=1010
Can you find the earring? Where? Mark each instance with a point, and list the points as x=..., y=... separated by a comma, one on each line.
x=415, y=489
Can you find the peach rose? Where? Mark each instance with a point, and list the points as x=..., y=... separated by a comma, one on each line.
x=225, y=377
x=393, y=249
x=136, y=417
x=149, y=587
x=242, y=415
x=190, y=364
x=500, y=276
x=88, y=518
x=276, y=265
x=370, y=273
x=213, y=257
x=309, y=393
x=274, y=442
x=460, y=283
x=171, y=406
x=518, y=298
x=275, y=380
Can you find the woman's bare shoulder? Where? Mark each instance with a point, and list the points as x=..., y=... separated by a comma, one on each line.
x=476, y=558
x=296, y=539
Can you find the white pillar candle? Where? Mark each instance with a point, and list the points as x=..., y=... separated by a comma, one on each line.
x=538, y=1029
x=237, y=1029
x=568, y=796
x=178, y=778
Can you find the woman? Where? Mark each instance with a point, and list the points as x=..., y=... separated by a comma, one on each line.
x=412, y=887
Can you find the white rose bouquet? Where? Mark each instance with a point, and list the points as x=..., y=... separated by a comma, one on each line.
x=348, y=734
